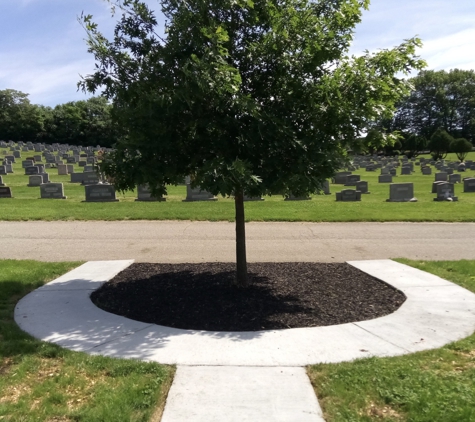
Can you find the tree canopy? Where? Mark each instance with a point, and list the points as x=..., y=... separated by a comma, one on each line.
x=440, y=99
x=248, y=97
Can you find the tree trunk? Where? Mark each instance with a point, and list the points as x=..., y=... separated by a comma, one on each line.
x=241, y=261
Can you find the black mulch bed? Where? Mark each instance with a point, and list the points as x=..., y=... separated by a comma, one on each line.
x=281, y=295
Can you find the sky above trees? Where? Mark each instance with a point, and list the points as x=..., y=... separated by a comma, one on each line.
x=43, y=52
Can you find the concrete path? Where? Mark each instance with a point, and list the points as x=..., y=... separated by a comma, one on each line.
x=247, y=376
x=185, y=241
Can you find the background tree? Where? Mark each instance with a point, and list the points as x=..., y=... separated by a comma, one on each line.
x=19, y=119
x=439, y=99
x=439, y=144
x=413, y=145
x=461, y=147
x=248, y=97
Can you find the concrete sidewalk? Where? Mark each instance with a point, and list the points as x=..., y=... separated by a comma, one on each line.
x=247, y=376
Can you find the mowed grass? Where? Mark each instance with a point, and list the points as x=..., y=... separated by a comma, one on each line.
x=322, y=208
x=431, y=386
x=43, y=382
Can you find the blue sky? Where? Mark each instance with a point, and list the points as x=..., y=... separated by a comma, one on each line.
x=43, y=52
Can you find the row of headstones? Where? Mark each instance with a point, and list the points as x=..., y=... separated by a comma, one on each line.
x=404, y=192
x=18, y=147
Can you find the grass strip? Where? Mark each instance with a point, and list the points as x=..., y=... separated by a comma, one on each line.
x=430, y=386
x=43, y=382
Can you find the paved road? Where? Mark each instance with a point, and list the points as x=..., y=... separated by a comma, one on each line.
x=185, y=241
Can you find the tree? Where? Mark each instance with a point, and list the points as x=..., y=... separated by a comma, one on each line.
x=19, y=119
x=439, y=99
x=414, y=144
x=86, y=122
x=461, y=147
x=248, y=97
x=439, y=144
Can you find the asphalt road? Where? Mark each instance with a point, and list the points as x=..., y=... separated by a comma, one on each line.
x=185, y=241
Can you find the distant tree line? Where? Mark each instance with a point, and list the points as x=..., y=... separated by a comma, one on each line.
x=438, y=115
x=85, y=122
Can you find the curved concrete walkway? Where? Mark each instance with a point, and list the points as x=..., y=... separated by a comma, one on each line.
x=247, y=376
x=435, y=313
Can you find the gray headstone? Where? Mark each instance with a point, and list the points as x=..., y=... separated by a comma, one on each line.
x=426, y=171
x=1, y=181
x=445, y=192
x=362, y=186
x=3, y=170
x=52, y=191
x=469, y=184
x=340, y=178
x=385, y=178
x=435, y=184
x=62, y=170
x=5, y=192
x=352, y=179
x=405, y=170
x=455, y=178
x=348, y=195
x=31, y=170
x=401, y=192
x=144, y=194
x=35, y=181
x=27, y=163
x=196, y=194
x=441, y=177
x=100, y=193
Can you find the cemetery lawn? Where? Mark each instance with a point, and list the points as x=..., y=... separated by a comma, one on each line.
x=431, y=386
x=25, y=204
x=42, y=381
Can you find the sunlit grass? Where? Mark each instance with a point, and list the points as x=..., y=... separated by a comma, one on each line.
x=43, y=382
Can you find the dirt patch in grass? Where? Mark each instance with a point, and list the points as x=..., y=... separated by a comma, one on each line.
x=280, y=295
x=382, y=412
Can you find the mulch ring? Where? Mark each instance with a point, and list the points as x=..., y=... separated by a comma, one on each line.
x=280, y=295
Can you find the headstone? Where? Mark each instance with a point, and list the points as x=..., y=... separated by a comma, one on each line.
x=461, y=167
x=1, y=181
x=62, y=170
x=17, y=154
x=71, y=160
x=455, y=178
x=401, y=192
x=45, y=177
x=27, y=163
x=469, y=184
x=88, y=168
x=9, y=168
x=326, y=187
x=292, y=197
x=196, y=194
x=41, y=167
x=385, y=178
x=435, y=184
x=340, y=178
x=89, y=178
x=384, y=170
x=392, y=172
x=449, y=171
x=5, y=192
x=445, y=192
x=31, y=170
x=35, y=181
x=405, y=170
x=362, y=186
x=52, y=191
x=441, y=177
x=37, y=158
x=3, y=170
x=70, y=168
x=82, y=163
x=144, y=194
x=352, y=179
x=100, y=193
x=426, y=171
x=348, y=195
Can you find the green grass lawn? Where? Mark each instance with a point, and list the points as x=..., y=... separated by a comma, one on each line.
x=43, y=382
x=373, y=207
x=431, y=386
